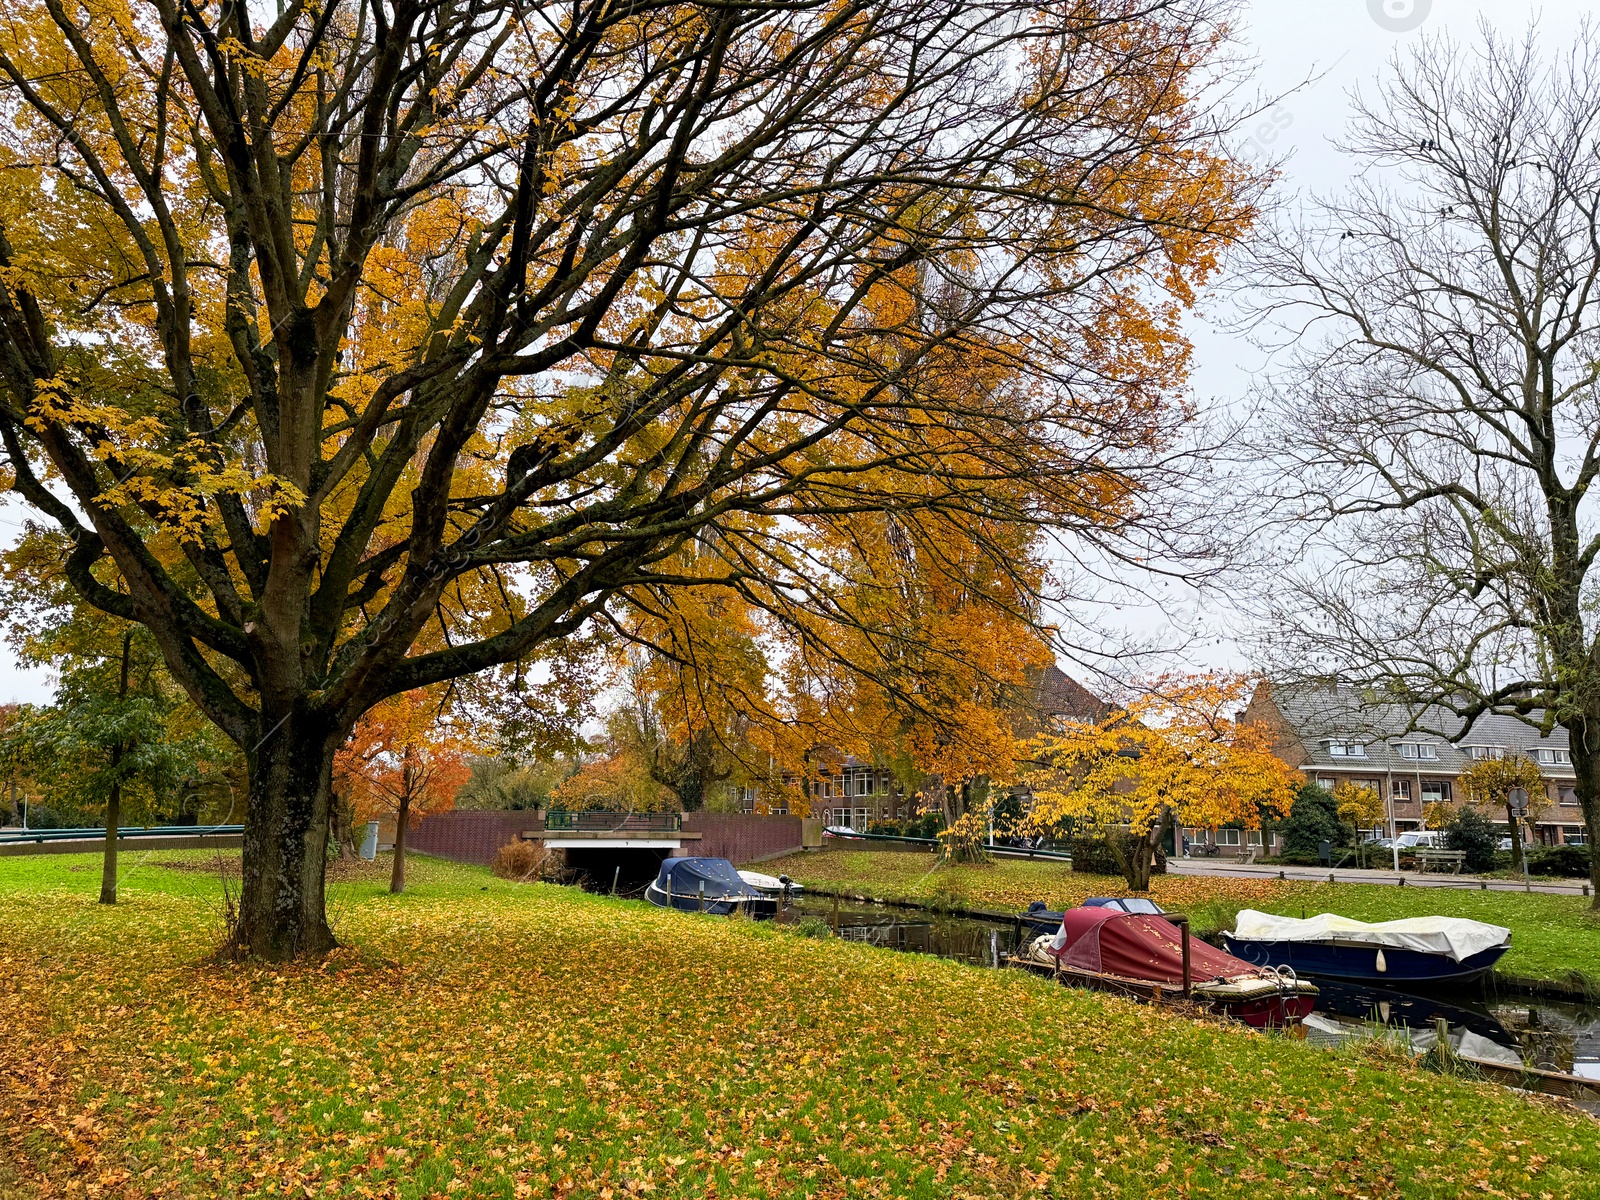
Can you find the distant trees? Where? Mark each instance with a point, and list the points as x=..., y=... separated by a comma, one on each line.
x=1360, y=808
x=121, y=743
x=1441, y=438
x=112, y=744
x=404, y=759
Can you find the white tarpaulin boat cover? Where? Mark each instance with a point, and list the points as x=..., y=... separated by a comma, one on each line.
x=1452, y=936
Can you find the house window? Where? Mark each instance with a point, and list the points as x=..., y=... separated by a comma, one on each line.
x=1253, y=836
x=1347, y=749
x=1573, y=835
x=1435, y=791
x=1419, y=750
x=1568, y=797
x=1548, y=757
x=1228, y=837
x=863, y=785
x=1326, y=784
x=1400, y=789
x=1482, y=753
x=1195, y=835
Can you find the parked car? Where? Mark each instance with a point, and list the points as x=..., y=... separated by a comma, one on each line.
x=1431, y=838
x=1503, y=844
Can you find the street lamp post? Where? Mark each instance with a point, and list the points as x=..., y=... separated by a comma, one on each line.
x=1517, y=798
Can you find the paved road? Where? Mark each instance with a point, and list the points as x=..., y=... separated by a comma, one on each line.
x=1204, y=866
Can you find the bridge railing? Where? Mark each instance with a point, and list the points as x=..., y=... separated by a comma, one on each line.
x=123, y=831
x=609, y=822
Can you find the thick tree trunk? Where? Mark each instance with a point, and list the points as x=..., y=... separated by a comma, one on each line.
x=281, y=910
x=1141, y=855
x=1585, y=747
x=397, y=877
x=108, y=860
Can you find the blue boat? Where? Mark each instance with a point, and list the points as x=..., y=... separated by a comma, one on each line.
x=1040, y=919
x=708, y=885
x=1416, y=951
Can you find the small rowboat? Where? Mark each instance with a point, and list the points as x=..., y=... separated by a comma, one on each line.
x=773, y=885
x=1042, y=920
x=1152, y=958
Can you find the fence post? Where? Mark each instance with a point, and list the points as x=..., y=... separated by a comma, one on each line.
x=1182, y=922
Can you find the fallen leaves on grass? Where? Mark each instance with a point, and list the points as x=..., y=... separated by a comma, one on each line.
x=477, y=1038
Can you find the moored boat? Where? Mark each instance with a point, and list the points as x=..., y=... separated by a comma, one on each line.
x=1044, y=920
x=772, y=885
x=1142, y=954
x=708, y=885
x=1413, y=951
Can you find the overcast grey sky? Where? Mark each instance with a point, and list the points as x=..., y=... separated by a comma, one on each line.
x=1346, y=43
x=1341, y=45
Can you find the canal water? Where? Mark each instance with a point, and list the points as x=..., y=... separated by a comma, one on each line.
x=1554, y=1035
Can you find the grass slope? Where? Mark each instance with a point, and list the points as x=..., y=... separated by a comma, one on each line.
x=1552, y=937
x=478, y=1038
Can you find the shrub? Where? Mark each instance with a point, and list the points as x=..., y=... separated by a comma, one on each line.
x=525, y=862
x=1474, y=834
x=1568, y=862
x=1097, y=855
x=925, y=826
x=812, y=927
x=949, y=896
x=1312, y=819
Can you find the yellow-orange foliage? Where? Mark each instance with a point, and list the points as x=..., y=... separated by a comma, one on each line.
x=1174, y=753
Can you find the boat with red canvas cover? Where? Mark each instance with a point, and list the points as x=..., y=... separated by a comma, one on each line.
x=1143, y=955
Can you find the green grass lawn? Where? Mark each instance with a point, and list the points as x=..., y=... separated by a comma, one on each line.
x=480, y=1038
x=1552, y=937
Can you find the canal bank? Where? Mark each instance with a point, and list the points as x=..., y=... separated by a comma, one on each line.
x=1544, y=1031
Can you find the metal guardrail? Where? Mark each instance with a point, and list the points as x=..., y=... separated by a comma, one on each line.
x=611, y=822
x=123, y=831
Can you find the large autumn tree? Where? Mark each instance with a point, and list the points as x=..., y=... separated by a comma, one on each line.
x=325, y=328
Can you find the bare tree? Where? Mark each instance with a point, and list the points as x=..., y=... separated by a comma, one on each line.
x=373, y=343
x=1441, y=428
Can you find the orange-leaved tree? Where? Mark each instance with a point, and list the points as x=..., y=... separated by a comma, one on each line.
x=335, y=325
x=404, y=759
x=930, y=658
x=1175, y=753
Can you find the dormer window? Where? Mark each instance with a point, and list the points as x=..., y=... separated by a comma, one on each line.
x=1547, y=756
x=1343, y=749
x=1421, y=751
x=1483, y=753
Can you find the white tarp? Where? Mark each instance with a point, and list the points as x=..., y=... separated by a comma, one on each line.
x=1452, y=936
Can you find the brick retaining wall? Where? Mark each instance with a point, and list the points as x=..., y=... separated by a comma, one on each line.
x=741, y=837
x=470, y=837
x=476, y=837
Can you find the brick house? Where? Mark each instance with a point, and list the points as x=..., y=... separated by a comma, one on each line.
x=1334, y=733
x=851, y=792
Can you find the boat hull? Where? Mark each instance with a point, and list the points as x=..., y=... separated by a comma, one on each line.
x=754, y=905
x=1260, y=1003
x=1359, y=962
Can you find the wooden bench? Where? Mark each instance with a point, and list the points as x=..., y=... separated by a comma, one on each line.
x=1427, y=857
